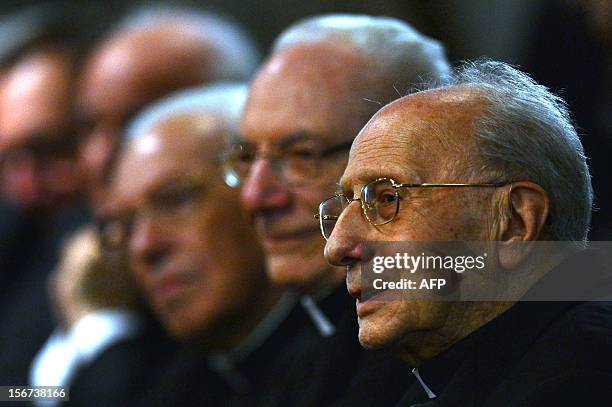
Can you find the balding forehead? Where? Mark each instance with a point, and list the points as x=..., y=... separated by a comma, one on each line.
x=338, y=51
x=172, y=45
x=458, y=101
x=161, y=34
x=193, y=130
x=429, y=135
x=203, y=126
x=132, y=68
x=450, y=112
x=176, y=146
x=36, y=96
x=314, y=88
x=337, y=62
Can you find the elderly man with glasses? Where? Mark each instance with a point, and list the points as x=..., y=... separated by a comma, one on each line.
x=325, y=78
x=188, y=245
x=489, y=156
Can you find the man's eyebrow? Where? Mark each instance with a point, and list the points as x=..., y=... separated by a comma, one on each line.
x=296, y=137
x=176, y=180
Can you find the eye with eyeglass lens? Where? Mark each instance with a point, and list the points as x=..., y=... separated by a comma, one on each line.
x=379, y=201
x=170, y=204
x=301, y=160
x=297, y=160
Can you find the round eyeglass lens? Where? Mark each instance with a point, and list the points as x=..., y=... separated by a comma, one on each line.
x=380, y=201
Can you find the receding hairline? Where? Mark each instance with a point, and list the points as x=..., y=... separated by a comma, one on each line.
x=439, y=126
x=204, y=128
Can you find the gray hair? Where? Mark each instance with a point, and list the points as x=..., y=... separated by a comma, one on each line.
x=398, y=54
x=223, y=100
x=237, y=55
x=526, y=133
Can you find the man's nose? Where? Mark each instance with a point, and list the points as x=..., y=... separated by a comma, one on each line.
x=344, y=246
x=98, y=148
x=263, y=189
x=148, y=242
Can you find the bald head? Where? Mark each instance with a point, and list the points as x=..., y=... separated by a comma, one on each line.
x=150, y=56
x=37, y=135
x=124, y=74
x=398, y=56
x=36, y=97
x=324, y=81
x=424, y=129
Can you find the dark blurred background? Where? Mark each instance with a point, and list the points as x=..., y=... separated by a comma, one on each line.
x=470, y=28
x=565, y=44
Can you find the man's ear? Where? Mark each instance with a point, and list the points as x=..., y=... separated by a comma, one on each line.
x=529, y=206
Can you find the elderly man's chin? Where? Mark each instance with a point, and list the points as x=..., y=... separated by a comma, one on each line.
x=391, y=322
x=379, y=329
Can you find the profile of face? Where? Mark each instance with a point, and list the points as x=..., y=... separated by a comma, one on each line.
x=121, y=76
x=189, y=242
x=400, y=143
x=302, y=104
x=39, y=169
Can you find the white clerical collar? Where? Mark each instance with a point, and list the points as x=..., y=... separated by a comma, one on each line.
x=64, y=352
x=426, y=388
x=324, y=326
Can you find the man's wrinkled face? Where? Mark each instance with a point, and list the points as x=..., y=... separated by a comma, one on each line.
x=304, y=95
x=419, y=139
x=189, y=243
x=37, y=136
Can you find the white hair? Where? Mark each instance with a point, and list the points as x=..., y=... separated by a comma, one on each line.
x=223, y=100
x=526, y=133
x=399, y=55
x=237, y=56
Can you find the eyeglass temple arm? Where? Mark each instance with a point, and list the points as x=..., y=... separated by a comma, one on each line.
x=426, y=185
x=326, y=217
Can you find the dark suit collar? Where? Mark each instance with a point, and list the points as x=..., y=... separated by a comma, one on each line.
x=226, y=364
x=476, y=364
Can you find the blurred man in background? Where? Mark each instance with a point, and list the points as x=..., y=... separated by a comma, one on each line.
x=39, y=178
x=152, y=53
x=193, y=251
x=38, y=133
x=325, y=78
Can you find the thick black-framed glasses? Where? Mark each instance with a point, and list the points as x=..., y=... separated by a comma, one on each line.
x=380, y=202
